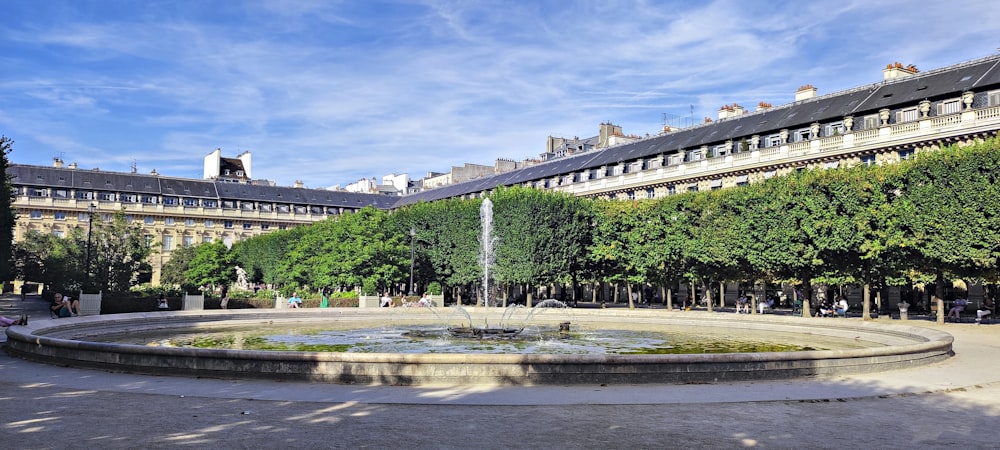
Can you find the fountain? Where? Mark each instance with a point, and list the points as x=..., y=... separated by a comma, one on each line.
x=487, y=257
x=856, y=346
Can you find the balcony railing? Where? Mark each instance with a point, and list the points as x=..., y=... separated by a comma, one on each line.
x=927, y=128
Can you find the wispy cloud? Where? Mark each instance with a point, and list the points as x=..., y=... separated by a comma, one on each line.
x=328, y=92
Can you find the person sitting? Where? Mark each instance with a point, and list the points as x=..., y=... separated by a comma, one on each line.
x=7, y=321
x=841, y=307
x=162, y=302
x=64, y=306
x=764, y=305
x=294, y=301
x=743, y=305
x=424, y=301
x=985, y=310
x=385, y=301
x=956, y=309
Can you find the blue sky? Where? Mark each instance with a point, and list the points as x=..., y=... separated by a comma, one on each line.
x=329, y=92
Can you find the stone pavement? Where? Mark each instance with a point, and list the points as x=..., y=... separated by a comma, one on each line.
x=951, y=404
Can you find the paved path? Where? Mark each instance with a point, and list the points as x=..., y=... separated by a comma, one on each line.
x=952, y=404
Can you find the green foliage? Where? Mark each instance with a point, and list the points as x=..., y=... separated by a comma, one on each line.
x=8, y=216
x=212, y=265
x=119, y=254
x=174, y=270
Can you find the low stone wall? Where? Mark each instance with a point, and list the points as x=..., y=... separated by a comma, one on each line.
x=64, y=342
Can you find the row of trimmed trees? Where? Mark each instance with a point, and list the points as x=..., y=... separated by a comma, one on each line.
x=921, y=220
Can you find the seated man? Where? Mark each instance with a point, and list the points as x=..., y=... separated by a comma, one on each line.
x=841, y=307
x=985, y=310
x=957, y=309
x=64, y=306
x=295, y=301
x=765, y=304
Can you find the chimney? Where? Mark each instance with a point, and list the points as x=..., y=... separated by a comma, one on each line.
x=153, y=173
x=725, y=112
x=57, y=162
x=896, y=70
x=298, y=184
x=805, y=92
x=763, y=105
x=72, y=165
x=738, y=110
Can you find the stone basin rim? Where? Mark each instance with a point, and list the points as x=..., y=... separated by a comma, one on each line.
x=46, y=341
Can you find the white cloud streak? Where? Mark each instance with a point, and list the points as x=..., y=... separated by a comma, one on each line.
x=328, y=93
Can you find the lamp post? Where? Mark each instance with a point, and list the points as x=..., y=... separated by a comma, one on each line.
x=90, y=228
x=413, y=234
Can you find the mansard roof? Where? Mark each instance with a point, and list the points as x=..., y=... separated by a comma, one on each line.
x=97, y=180
x=937, y=84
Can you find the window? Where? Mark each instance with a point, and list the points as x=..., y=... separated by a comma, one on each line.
x=59, y=215
x=190, y=202
x=106, y=196
x=868, y=160
x=189, y=222
x=168, y=243
x=129, y=198
x=170, y=201
x=906, y=154
x=282, y=227
x=106, y=217
x=265, y=226
x=209, y=223
x=949, y=107
x=300, y=210
x=266, y=207
x=36, y=214
x=229, y=204
x=650, y=193
x=833, y=129
x=871, y=121
x=149, y=199
x=188, y=241
x=993, y=98
x=60, y=193
x=693, y=187
x=37, y=192
x=148, y=220
x=227, y=224
x=82, y=217
x=718, y=150
x=209, y=203
x=773, y=140
x=906, y=115
x=671, y=190
x=206, y=239
x=148, y=239
x=83, y=195
x=59, y=233
x=801, y=135
x=694, y=155
x=168, y=221
x=282, y=208
x=247, y=225
x=247, y=206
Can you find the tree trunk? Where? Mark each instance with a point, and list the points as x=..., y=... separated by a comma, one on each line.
x=628, y=291
x=806, y=294
x=938, y=298
x=706, y=287
x=593, y=292
x=866, y=302
x=722, y=294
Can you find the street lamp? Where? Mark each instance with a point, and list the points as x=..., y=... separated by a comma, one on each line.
x=90, y=228
x=413, y=234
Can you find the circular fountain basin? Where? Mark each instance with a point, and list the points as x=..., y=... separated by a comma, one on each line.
x=868, y=347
